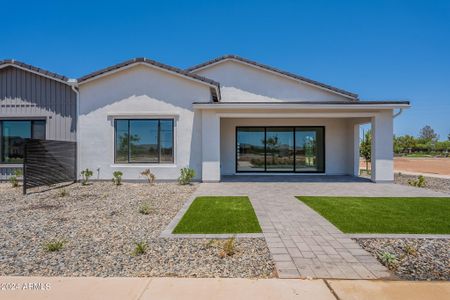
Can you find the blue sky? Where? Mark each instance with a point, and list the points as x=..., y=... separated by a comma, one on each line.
x=378, y=49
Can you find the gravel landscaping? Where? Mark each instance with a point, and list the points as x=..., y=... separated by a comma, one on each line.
x=415, y=259
x=432, y=183
x=99, y=225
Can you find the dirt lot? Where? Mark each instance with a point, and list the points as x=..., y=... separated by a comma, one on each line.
x=425, y=165
x=430, y=165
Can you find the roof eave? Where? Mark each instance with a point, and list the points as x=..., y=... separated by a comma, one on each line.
x=300, y=105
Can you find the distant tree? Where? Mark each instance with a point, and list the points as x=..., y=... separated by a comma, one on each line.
x=404, y=143
x=365, y=148
x=428, y=135
x=448, y=136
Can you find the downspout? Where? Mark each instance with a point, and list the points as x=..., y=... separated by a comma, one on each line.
x=398, y=113
x=74, y=85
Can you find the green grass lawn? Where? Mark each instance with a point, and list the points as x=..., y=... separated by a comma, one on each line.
x=384, y=214
x=219, y=215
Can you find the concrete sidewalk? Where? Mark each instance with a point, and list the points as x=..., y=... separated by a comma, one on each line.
x=190, y=288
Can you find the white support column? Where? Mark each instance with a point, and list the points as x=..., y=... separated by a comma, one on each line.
x=382, y=147
x=210, y=147
x=356, y=149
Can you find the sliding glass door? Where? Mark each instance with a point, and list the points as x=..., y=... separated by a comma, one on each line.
x=309, y=150
x=250, y=149
x=280, y=149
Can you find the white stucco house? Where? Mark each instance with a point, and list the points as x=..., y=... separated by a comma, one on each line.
x=228, y=116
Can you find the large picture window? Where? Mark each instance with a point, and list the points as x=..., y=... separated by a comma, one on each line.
x=144, y=141
x=280, y=149
x=12, y=137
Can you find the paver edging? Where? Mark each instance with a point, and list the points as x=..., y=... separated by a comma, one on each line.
x=397, y=236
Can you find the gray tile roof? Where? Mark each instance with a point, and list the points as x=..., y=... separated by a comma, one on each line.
x=294, y=76
x=33, y=68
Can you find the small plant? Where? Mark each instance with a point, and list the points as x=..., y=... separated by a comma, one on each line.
x=419, y=182
x=228, y=248
x=86, y=174
x=141, y=248
x=54, y=246
x=187, y=174
x=149, y=175
x=13, y=179
x=145, y=209
x=410, y=250
x=117, y=177
x=388, y=259
x=63, y=193
x=211, y=243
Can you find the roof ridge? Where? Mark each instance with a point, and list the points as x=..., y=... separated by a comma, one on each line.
x=273, y=69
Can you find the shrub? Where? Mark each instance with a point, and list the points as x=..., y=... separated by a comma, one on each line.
x=63, y=193
x=13, y=179
x=145, y=209
x=117, y=177
x=149, y=175
x=410, y=250
x=86, y=174
x=228, y=247
x=54, y=246
x=419, y=182
x=187, y=174
x=388, y=259
x=141, y=248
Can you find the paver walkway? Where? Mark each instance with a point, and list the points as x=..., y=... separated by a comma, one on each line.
x=303, y=243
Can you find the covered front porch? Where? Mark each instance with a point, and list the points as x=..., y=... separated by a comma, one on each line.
x=274, y=140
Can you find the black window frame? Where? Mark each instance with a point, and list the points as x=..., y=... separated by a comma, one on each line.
x=159, y=141
x=31, y=121
x=322, y=171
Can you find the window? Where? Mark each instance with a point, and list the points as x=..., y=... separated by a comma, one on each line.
x=12, y=137
x=144, y=141
x=280, y=149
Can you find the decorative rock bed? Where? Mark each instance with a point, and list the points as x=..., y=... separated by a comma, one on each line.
x=99, y=225
x=432, y=183
x=415, y=259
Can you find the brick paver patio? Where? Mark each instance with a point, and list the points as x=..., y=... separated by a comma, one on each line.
x=303, y=243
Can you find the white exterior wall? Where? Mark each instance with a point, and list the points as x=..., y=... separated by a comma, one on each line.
x=210, y=147
x=338, y=141
x=382, y=157
x=244, y=83
x=139, y=92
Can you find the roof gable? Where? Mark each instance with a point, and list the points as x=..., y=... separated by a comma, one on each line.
x=273, y=70
x=214, y=86
x=29, y=68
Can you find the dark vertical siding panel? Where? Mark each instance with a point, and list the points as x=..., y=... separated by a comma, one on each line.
x=26, y=94
x=29, y=92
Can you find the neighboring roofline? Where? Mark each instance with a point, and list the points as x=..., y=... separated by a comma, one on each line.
x=218, y=60
x=142, y=60
x=304, y=105
x=32, y=69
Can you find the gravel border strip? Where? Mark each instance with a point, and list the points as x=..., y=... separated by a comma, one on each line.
x=397, y=236
x=167, y=233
